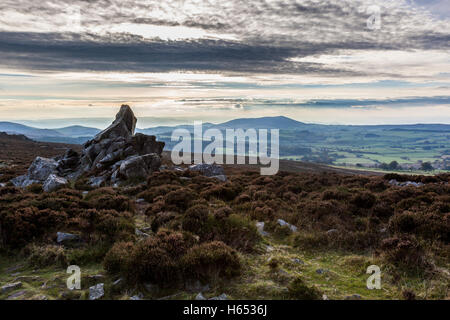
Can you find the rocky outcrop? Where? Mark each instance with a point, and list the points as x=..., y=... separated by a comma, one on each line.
x=53, y=182
x=114, y=155
x=208, y=170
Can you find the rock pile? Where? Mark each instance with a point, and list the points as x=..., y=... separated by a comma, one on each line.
x=114, y=155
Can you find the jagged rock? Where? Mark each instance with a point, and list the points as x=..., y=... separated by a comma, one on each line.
x=138, y=296
x=96, y=292
x=54, y=182
x=64, y=237
x=97, y=181
x=260, y=228
x=209, y=170
x=115, y=152
x=123, y=126
x=200, y=297
x=145, y=144
x=220, y=177
x=139, y=166
x=284, y=223
x=38, y=172
x=11, y=286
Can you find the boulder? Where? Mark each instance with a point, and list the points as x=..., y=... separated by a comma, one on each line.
x=65, y=237
x=96, y=292
x=208, y=170
x=284, y=223
x=54, y=182
x=122, y=127
x=113, y=155
x=38, y=172
x=10, y=287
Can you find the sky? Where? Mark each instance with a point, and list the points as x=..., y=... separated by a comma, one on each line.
x=179, y=61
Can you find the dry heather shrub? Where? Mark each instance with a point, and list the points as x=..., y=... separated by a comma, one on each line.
x=179, y=200
x=212, y=260
x=364, y=200
x=223, y=212
x=117, y=259
x=162, y=218
x=45, y=256
x=35, y=188
x=404, y=251
x=150, y=194
x=195, y=219
x=405, y=222
x=298, y=290
x=157, y=258
x=99, y=192
x=22, y=225
x=116, y=202
x=225, y=191
x=163, y=177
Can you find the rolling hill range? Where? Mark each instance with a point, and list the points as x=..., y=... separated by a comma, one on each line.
x=343, y=145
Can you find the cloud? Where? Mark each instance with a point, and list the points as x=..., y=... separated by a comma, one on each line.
x=211, y=35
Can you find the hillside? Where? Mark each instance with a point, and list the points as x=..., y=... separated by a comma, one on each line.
x=181, y=234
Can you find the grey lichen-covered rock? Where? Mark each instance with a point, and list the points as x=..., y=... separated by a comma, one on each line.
x=54, y=182
x=62, y=237
x=114, y=155
x=96, y=292
x=260, y=228
x=123, y=126
x=10, y=287
x=220, y=177
x=38, y=172
x=208, y=170
x=284, y=223
x=200, y=297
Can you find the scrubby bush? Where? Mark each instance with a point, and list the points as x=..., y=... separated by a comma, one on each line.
x=195, y=219
x=117, y=259
x=41, y=256
x=404, y=252
x=298, y=290
x=35, y=188
x=157, y=258
x=212, y=260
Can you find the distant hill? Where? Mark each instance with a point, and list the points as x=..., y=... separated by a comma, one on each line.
x=78, y=131
x=263, y=123
x=72, y=134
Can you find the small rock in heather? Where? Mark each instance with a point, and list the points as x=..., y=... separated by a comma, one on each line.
x=11, y=286
x=17, y=294
x=200, y=297
x=260, y=228
x=332, y=231
x=138, y=296
x=97, y=292
x=321, y=271
x=220, y=177
x=298, y=261
x=282, y=223
x=63, y=237
x=223, y=296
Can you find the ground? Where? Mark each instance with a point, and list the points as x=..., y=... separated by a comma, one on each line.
x=314, y=198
